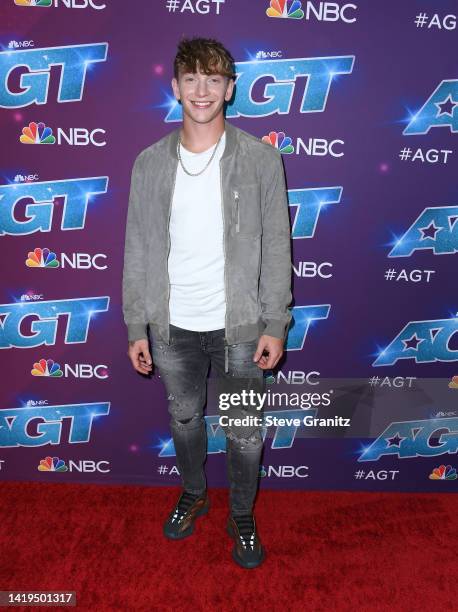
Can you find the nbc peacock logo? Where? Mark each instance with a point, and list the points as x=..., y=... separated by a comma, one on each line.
x=286, y=9
x=52, y=464
x=33, y=2
x=443, y=472
x=279, y=141
x=269, y=377
x=41, y=258
x=47, y=367
x=262, y=471
x=37, y=133
x=453, y=384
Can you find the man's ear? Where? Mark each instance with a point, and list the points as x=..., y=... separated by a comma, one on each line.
x=176, y=91
x=230, y=90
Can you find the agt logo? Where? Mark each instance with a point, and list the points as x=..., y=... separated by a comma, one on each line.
x=79, y=313
x=315, y=147
x=39, y=133
x=44, y=258
x=321, y=11
x=50, y=368
x=435, y=229
x=39, y=425
x=39, y=213
x=75, y=61
x=303, y=317
x=423, y=341
x=308, y=205
x=439, y=110
x=76, y=4
x=278, y=93
x=54, y=464
x=426, y=438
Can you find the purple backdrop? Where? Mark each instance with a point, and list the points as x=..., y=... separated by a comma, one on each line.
x=362, y=101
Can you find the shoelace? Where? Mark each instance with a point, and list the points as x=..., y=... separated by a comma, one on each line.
x=245, y=524
x=184, y=503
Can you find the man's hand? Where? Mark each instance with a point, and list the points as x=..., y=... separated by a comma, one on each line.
x=273, y=346
x=140, y=356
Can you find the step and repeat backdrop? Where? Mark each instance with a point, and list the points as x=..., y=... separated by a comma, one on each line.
x=361, y=99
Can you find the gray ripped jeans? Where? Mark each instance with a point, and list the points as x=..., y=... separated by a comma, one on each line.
x=183, y=365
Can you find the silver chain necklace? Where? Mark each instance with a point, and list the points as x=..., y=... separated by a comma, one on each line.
x=206, y=165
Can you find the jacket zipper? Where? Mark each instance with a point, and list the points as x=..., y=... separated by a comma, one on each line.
x=226, y=359
x=167, y=258
x=237, y=215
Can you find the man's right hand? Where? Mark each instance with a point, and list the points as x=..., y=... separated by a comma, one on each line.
x=140, y=356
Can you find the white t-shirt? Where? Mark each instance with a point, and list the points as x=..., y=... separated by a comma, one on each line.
x=196, y=257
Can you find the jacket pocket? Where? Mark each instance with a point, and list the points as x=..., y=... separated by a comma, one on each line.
x=246, y=211
x=236, y=210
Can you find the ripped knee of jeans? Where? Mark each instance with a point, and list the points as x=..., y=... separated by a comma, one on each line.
x=196, y=420
x=249, y=443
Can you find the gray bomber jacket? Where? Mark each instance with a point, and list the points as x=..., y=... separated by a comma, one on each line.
x=257, y=235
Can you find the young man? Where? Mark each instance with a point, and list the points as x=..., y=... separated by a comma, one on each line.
x=207, y=269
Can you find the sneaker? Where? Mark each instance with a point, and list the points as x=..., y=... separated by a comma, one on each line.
x=248, y=551
x=180, y=522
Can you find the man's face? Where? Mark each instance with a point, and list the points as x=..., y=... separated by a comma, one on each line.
x=202, y=95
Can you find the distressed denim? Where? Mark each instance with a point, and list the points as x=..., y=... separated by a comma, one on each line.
x=183, y=365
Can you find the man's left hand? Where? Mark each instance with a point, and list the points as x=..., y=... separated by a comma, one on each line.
x=273, y=346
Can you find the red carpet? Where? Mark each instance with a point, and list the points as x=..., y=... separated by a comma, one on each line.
x=326, y=550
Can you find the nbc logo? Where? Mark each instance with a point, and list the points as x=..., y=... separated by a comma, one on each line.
x=279, y=141
x=443, y=472
x=44, y=258
x=33, y=2
x=269, y=377
x=453, y=384
x=283, y=471
x=268, y=54
x=37, y=133
x=285, y=9
x=46, y=367
x=40, y=133
x=50, y=368
x=52, y=464
x=72, y=4
x=23, y=44
x=41, y=258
